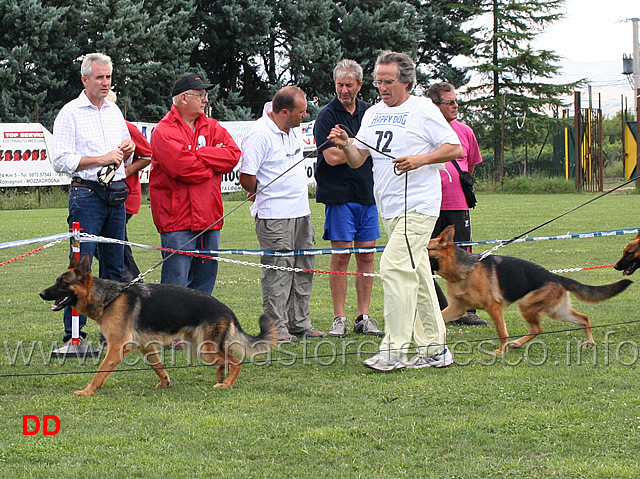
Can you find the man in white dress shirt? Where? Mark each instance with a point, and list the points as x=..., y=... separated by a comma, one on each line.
x=91, y=142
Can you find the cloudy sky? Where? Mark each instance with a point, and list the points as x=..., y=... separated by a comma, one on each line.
x=592, y=38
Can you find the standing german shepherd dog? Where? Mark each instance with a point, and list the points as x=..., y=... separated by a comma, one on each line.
x=630, y=260
x=143, y=315
x=495, y=282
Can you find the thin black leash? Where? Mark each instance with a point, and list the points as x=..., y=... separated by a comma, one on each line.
x=406, y=183
x=249, y=198
x=303, y=358
x=505, y=243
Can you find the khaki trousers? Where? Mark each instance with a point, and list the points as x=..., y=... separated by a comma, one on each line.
x=286, y=294
x=411, y=311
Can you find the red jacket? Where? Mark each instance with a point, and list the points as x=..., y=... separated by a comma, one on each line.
x=186, y=172
x=143, y=149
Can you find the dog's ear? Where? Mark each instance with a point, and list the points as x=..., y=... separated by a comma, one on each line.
x=73, y=261
x=446, y=237
x=84, y=266
x=632, y=247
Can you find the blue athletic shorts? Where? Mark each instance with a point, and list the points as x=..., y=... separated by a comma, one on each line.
x=351, y=222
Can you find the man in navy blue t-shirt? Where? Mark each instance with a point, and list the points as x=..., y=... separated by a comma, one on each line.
x=351, y=216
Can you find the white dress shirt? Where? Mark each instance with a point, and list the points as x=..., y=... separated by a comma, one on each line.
x=82, y=129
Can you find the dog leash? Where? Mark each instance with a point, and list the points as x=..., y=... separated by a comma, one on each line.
x=505, y=243
x=250, y=197
x=397, y=173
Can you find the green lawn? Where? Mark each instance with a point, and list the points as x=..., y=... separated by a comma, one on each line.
x=549, y=410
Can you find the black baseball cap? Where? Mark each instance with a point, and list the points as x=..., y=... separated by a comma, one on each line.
x=190, y=81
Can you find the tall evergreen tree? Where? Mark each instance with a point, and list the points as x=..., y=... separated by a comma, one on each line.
x=28, y=69
x=311, y=48
x=42, y=44
x=161, y=53
x=234, y=36
x=513, y=76
x=251, y=47
x=149, y=43
x=366, y=28
x=442, y=38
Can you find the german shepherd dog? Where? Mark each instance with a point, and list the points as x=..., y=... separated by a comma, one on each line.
x=143, y=315
x=630, y=258
x=495, y=282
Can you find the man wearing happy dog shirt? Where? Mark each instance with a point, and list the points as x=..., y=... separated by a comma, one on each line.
x=190, y=153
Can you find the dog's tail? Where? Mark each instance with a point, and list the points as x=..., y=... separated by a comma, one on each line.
x=593, y=294
x=248, y=346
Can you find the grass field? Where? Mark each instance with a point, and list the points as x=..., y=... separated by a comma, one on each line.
x=549, y=410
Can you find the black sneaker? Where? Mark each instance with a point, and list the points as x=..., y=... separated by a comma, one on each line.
x=470, y=319
x=365, y=325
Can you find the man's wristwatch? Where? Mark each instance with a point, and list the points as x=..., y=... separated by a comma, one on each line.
x=349, y=143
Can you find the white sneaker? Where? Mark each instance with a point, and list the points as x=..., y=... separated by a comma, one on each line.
x=440, y=360
x=339, y=327
x=385, y=362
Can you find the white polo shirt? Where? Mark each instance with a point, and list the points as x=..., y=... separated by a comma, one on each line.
x=267, y=152
x=415, y=127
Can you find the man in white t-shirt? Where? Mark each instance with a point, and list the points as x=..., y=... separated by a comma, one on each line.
x=272, y=169
x=409, y=140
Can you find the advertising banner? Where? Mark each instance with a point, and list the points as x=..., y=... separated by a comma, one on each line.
x=25, y=159
x=24, y=156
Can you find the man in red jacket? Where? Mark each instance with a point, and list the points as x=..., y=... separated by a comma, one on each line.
x=141, y=159
x=190, y=153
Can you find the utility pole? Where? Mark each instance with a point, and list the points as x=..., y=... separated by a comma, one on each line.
x=636, y=90
x=636, y=55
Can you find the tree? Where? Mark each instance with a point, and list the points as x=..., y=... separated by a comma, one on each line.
x=149, y=43
x=443, y=37
x=261, y=45
x=512, y=74
x=31, y=34
x=41, y=49
x=233, y=36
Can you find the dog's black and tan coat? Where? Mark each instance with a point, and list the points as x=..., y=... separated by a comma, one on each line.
x=145, y=315
x=495, y=282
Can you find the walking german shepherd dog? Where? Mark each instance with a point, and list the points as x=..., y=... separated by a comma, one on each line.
x=630, y=260
x=495, y=282
x=144, y=315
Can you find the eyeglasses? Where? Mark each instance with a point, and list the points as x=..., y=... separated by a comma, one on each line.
x=450, y=102
x=387, y=82
x=296, y=148
x=203, y=96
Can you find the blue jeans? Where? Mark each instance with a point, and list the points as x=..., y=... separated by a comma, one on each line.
x=189, y=271
x=96, y=218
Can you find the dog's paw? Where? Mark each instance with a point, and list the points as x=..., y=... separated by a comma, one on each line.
x=588, y=344
x=84, y=392
x=163, y=384
x=222, y=385
x=515, y=345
